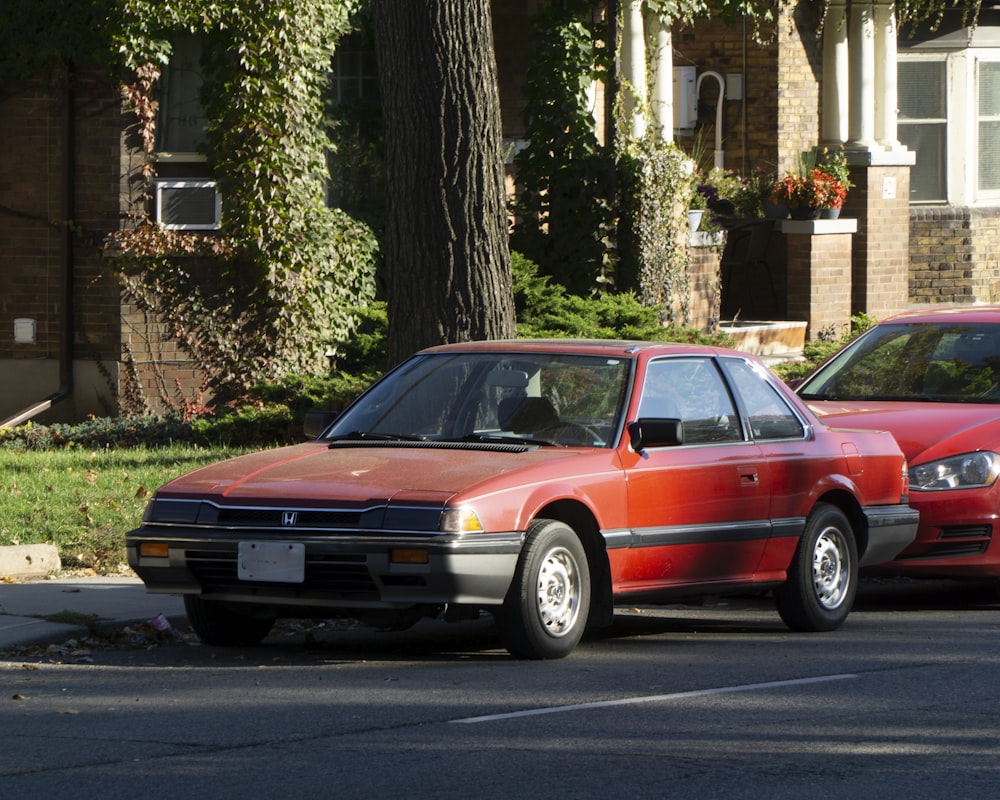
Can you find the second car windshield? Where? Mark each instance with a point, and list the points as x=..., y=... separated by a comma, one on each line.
x=483, y=396
x=921, y=362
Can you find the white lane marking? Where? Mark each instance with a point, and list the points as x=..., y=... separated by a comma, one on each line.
x=656, y=698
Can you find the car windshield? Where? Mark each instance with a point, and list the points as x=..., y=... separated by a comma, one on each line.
x=944, y=362
x=494, y=397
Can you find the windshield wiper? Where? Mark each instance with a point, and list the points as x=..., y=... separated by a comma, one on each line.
x=489, y=438
x=369, y=436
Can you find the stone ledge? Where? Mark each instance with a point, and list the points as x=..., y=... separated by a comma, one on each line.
x=818, y=227
x=28, y=560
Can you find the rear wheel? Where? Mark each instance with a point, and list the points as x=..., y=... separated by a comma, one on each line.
x=823, y=577
x=546, y=608
x=219, y=624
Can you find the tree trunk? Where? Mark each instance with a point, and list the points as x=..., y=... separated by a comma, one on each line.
x=447, y=261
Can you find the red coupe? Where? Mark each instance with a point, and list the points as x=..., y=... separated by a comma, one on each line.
x=932, y=378
x=542, y=482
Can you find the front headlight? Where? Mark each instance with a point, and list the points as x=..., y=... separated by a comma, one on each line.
x=966, y=471
x=169, y=511
x=460, y=520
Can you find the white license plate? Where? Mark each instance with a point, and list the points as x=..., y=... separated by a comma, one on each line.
x=275, y=562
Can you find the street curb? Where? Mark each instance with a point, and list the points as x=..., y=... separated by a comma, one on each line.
x=28, y=560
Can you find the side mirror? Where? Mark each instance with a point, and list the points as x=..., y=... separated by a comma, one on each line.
x=316, y=422
x=653, y=432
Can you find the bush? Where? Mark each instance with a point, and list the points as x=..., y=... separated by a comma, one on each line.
x=546, y=310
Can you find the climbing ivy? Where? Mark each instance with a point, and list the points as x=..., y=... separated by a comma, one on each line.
x=280, y=285
x=655, y=191
x=565, y=211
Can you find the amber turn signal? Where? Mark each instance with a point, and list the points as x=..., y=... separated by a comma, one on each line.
x=154, y=549
x=402, y=555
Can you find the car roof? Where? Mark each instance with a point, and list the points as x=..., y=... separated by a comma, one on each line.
x=615, y=348
x=937, y=314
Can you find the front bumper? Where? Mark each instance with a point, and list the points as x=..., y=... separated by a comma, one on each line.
x=342, y=571
x=890, y=530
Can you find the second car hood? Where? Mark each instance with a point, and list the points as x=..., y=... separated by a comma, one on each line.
x=316, y=473
x=924, y=431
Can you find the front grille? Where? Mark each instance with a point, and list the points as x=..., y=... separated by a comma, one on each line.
x=275, y=518
x=331, y=575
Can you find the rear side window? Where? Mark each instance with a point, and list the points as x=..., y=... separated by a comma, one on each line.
x=770, y=416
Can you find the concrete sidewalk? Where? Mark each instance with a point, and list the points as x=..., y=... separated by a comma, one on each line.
x=112, y=600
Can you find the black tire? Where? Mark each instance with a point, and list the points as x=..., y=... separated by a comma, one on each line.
x=823, y=576
x=219, y=624
x=546, y=608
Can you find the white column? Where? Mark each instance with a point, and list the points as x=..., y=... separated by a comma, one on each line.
x=886, y=100
x=634, y=68
x=836, y=74
x=861, y=125
x=663, y=84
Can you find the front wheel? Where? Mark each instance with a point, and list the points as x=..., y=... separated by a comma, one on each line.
x=546, y=608
x=823, y=576
x=218, y=624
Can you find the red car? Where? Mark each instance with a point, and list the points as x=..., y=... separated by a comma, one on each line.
x=540, y=481
x=932, y=378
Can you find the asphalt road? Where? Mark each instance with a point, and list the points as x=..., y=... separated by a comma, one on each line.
x=677, y=702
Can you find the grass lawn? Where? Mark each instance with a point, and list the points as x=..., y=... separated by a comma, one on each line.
x=84, y=501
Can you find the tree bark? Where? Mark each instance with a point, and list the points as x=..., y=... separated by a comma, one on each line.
x=447, y=260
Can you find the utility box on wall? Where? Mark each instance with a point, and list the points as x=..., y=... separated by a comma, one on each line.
x=685, y=99
x=24, y=331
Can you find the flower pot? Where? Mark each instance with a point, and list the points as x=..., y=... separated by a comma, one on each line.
x=694, y=218
x=773, y=210
x=829, y=213
x=804, y=212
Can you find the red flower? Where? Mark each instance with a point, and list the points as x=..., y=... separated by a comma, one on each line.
x=817, y=190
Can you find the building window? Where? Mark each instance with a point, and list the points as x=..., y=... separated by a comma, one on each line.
x=949, y=113
x=355, y=75
x=180, y=123
x=989, y=126
x=923, y=126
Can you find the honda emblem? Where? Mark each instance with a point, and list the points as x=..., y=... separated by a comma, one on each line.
x=288, y=518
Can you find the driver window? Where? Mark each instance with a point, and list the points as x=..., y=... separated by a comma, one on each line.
x=691, y=390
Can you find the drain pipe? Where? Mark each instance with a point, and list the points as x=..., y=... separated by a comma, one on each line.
x=68, y=270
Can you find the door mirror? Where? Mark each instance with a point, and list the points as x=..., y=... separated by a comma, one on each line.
x=652, y=432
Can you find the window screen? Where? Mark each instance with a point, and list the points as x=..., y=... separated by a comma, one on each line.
x=923, y=126
x=989, y=126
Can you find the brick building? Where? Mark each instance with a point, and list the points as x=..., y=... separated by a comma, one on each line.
x=67, y=338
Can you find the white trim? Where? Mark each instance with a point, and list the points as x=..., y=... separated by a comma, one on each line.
x=160, y=185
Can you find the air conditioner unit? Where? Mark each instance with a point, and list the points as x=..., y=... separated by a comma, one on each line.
x=188, y=205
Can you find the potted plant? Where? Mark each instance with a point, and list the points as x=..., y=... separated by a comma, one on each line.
x=697, y=204
x=834, y=164
x=806, y=195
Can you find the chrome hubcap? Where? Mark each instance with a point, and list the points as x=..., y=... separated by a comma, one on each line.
x=558, y=592
x=831, y=573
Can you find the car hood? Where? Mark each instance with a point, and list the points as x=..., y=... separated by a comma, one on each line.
x=924, y=431
x=315, y=473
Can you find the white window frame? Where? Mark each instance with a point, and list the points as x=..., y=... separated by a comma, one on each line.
x=990, y=196
x=962, y=116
